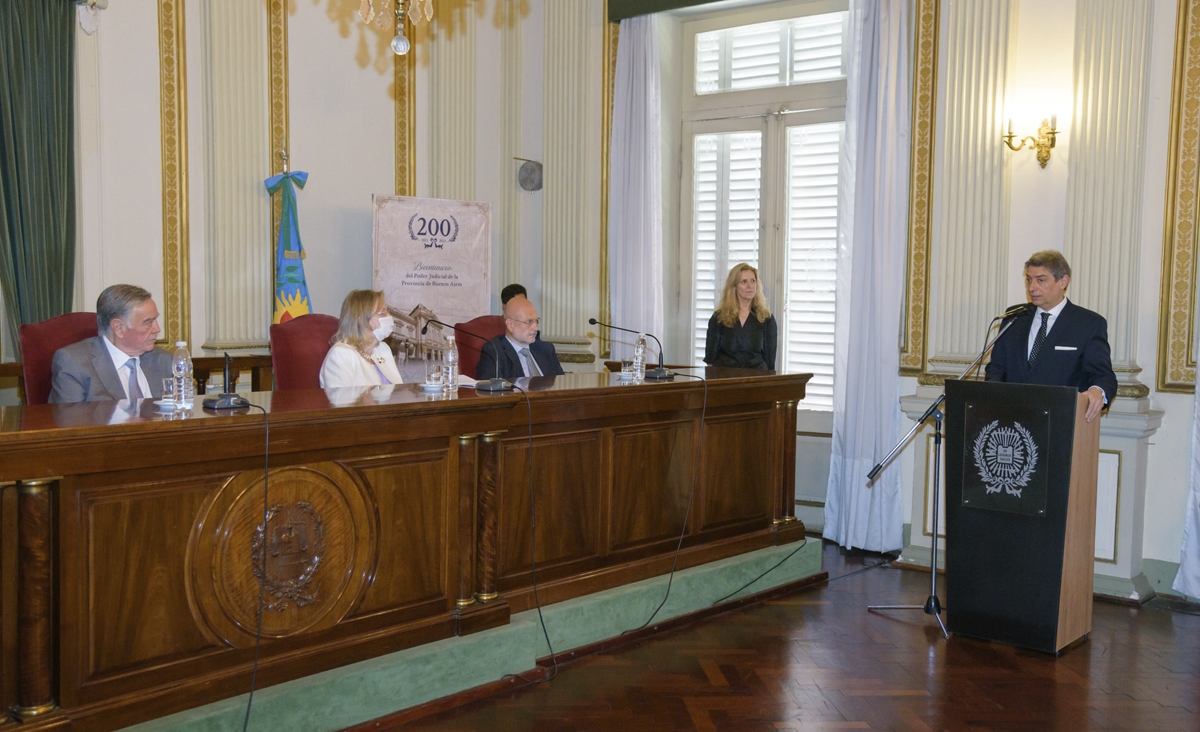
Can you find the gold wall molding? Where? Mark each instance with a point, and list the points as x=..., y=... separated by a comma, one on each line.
x=277, y=34
x=405, y=76
x=1177, y=304
x=172, y=69
x=920, y=208
x=612, y=34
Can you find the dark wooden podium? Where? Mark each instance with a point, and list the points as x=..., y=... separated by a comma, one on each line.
x=1021, y=465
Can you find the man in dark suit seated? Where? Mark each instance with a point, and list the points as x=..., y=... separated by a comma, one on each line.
x=520, y=351
x=119, y=363
x=1061, y=344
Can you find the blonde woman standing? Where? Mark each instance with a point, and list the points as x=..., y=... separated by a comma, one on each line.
x=742, y=332
x=359, y=357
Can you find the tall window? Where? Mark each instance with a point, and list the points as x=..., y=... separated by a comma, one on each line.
x=763, y=179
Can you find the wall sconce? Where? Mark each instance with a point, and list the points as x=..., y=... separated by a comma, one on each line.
x=1043, y=143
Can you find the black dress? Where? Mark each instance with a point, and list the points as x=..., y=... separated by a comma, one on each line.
x=749, y=346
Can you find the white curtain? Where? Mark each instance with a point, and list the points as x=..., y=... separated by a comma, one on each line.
x=872, y=236
x=635, y=277
x=1187, y=580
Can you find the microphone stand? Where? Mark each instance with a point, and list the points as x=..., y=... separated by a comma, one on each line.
x=932, y=606
x=661, y=373
x=492, y=385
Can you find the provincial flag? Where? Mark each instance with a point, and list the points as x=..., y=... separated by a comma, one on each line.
x=291, y=289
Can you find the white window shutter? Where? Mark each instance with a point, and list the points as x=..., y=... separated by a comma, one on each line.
x=812, y=216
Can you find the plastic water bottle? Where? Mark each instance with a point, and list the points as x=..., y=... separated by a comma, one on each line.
x=181, y=369
x=639, y=358
x=450, y=366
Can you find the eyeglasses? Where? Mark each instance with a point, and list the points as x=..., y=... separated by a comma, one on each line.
x=535, y=321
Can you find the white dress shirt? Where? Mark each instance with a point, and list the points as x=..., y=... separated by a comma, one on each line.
x=1037, y=323
x=517, y=347
x=120, y=361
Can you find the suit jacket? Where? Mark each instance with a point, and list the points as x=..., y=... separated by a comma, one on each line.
x=344, y=366
x=84, y=372
x=510, y=363
x=1075, y=353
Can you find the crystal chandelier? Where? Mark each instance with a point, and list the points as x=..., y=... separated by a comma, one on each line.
x=400, y=44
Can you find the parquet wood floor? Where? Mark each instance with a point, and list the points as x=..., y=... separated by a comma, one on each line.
x=817, y=660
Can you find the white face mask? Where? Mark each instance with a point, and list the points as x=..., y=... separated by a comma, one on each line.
x=385, y=328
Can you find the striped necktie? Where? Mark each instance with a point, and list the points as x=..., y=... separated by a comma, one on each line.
x=530, y=365
x=1041, y=338
x=134, y=390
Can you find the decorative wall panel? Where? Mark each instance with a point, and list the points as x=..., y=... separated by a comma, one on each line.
x=970, y=244
x=452, y=102
x=571, y=221
x=506, y=232
x=1177, y=310
x=237, y=113
x=1104, y=191
x=175, y=305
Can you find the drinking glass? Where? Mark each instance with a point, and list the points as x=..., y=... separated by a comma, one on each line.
x=168, y=392
x=433, y=369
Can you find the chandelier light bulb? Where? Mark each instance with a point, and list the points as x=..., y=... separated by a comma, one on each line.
x=400, y=44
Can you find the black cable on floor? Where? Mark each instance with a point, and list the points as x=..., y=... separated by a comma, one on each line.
x=262, y=575
x=533, y=555
x=687, y=514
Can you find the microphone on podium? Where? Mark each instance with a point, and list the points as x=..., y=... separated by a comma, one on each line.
x=658, y=374
x=1016, y=311
x=494, y=384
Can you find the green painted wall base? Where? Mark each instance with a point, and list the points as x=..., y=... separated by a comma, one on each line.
x=1136, y=589
x=1161, y=575
x=369, y=689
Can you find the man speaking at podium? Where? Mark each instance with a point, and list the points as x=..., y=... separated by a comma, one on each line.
x=1060, y=343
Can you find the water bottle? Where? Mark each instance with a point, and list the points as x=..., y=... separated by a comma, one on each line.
x=450, y=366
x=639, y=358
x=181, y=369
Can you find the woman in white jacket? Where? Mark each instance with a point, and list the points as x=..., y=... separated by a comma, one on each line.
x=359, y=357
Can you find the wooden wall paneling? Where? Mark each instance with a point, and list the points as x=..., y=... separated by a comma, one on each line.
x=785, y=437
x=133, y=606
x=418, y=547
x=652, y=477
x=472, y=614
x=736, y=467
x=35, y=598
x=466, y=479
x=8, y=597
x=566, y=488
x=487, y=554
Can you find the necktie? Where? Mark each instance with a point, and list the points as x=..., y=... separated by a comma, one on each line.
x=530, y=365
x=134, y=390
x=1041, y=337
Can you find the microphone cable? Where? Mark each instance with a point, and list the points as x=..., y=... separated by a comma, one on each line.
x=533, y=555
x=688, y=513
x=262, y=575
x=983, y=352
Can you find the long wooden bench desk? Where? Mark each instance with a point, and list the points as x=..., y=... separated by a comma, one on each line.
x=130, y=544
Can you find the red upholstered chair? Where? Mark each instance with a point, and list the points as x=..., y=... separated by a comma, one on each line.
x=39, y=341
x=469, y=348
x=298, y=349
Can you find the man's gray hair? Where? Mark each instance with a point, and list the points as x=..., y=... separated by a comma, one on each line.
x=115, y=302
x=1051, y=260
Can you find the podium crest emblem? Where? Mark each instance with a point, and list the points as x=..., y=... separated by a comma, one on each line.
x=1005, y=457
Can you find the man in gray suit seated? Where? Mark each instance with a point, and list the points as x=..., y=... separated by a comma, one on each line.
x=119, y=363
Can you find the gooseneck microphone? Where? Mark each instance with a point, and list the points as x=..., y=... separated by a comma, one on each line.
x=1016, y=311
x=228, y=399
x=659, y=374
x=493, y=384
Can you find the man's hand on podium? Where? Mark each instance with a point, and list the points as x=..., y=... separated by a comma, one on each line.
x=1095, y=402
